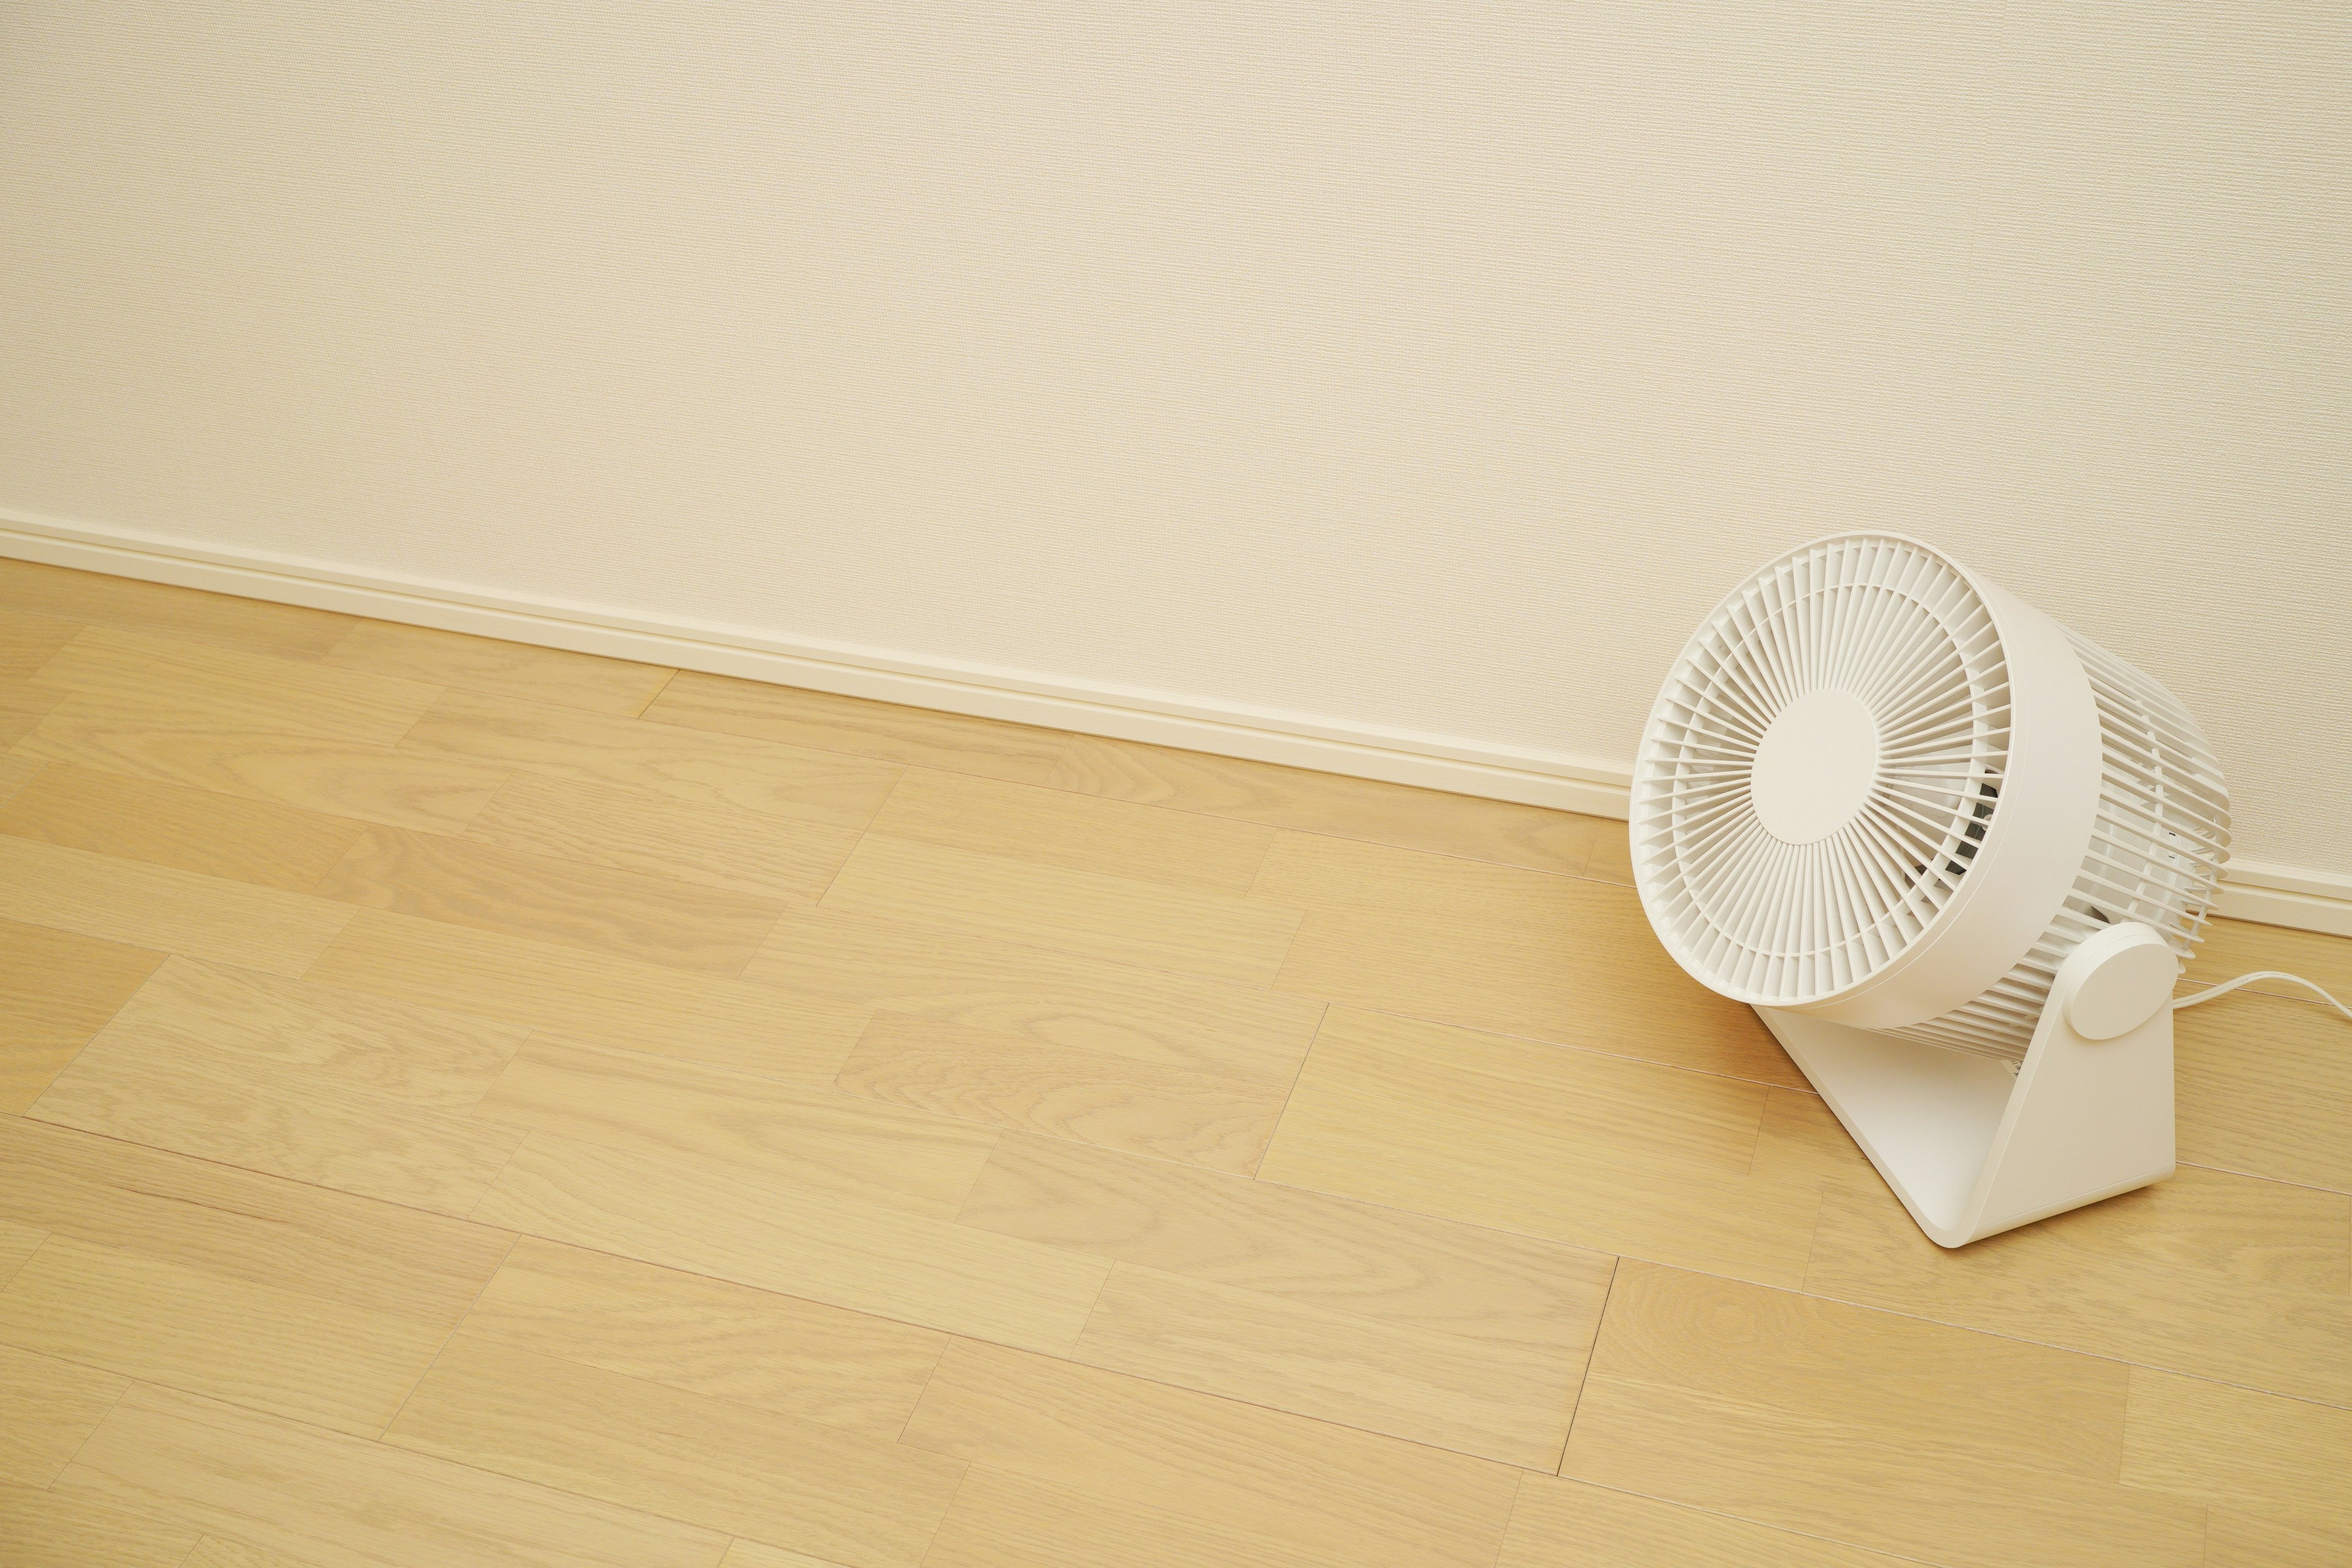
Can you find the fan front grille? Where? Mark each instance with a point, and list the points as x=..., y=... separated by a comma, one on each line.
x=1782, y=924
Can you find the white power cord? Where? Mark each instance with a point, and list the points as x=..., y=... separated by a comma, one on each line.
x=2211, y=992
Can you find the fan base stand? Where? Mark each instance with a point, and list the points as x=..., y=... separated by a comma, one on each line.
x=1973, y=1149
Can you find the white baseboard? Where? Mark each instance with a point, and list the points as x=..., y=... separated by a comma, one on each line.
x=2251, y=890
x=1432, y=761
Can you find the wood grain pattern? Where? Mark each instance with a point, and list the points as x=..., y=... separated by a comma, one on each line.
x=297, y=1080
x=633, y=914
x=1084, y=912
x=1092, y=1096
x=669, y=759
x=1495, y=947
x=269, y=845
x=1073, y=832
x=2221, y=1276
x=29, y=639
x=1567, y=1524
x=212, y=1552
x=42, y=1529
x=55, y=991
x=500, y=669
x=1424, y=1328
x=945, y=1141
x=807, y=1139
x=1616, y=1155
x=184, y=613
x=885, y=732
x=705, y=1216
x=342, y=1502
x=2230, y=948
x=147, y=906
x=252, y=691
x=18, y=1243
x=1496, y=830
x=592, y=999
x=705, y=1336
x=643, y=830
x=2255, y=1455
x=1072, y=1465
x=868, y=1502
x=281, y=1295
x=1875, y=1430
x=2263, y=1085
x=1039, y=996
x=189, y=741
x=48, y=1409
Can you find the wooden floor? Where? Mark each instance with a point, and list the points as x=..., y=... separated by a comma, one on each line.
x=468, y=1104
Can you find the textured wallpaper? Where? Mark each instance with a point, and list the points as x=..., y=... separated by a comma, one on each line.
x=1426, y=367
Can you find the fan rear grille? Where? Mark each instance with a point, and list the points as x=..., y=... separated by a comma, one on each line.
x=2162, y=833
x=1782, y=924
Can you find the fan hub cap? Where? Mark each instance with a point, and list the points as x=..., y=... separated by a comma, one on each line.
x=1815, y=768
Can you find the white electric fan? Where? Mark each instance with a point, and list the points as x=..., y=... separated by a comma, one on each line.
x=1952, y=853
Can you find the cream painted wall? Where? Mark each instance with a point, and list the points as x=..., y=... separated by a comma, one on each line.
x=1424, y=369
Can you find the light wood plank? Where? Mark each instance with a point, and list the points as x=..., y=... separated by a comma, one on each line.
x=592, y=998
x=2230, y=948
x=48, y=1409
x=692, y=764
x=1497, y=830
x=254, y=690
x=188, y=740
x=2254, y=1454
x=29, y=639
x=1567, y=1524
x=709, y=1337
x=1075, y=832
x=212, y=1552
x=870, y=1502
x=17, y=772
x=710, y=1217
x=819, y=721
x=2220, y=1276
x=2264, y=1086
x=1072, y=1465
x=1424, y=1328
x=188, y=614
x=1495, y=947
x=296, y=1352
x=807, y=1139
x=1083, y=912
x=18, y=1243
x=752, y=1554
x=1879, y=1431
x=2240, y=1540
x=1035, y=995
x=296, y=1081
x=398, y=1052
x=42, y=1529
x=1600, y=1151
x=56, y=990
x=656, y=920
x=216, y=835
x=236, y=1225
x=275, y=1294
x=341, y=1503
x=1093, y=1097
x=1472, y=1395
x=661, y=834
x=500, y=669
x=158, y=906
